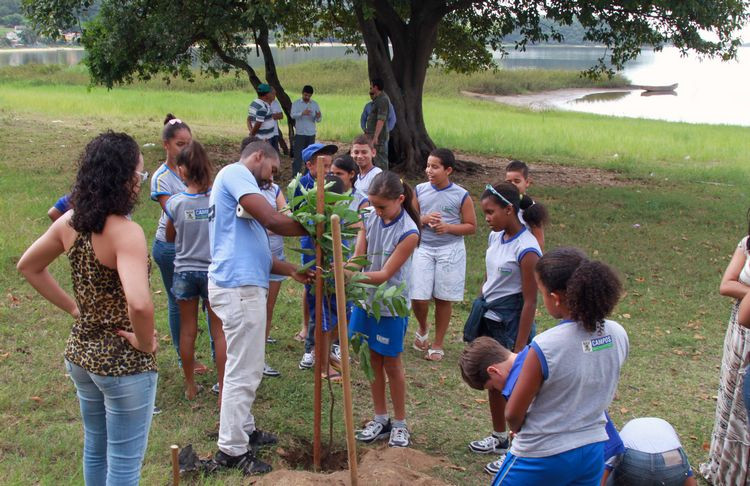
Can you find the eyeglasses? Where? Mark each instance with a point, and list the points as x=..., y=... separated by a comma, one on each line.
x=493, y=191
x=142, y=176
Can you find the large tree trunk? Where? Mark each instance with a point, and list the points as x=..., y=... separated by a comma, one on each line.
x=403, y=74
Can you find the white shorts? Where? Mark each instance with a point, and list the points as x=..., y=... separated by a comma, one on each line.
x=438, y=272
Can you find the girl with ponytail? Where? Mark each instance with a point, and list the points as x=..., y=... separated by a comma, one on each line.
x=389, y=236
x=569, y=377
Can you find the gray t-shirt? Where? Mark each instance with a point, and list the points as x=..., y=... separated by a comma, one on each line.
x=276, y=242
x=190, y=214
x=362, y=184
x=164, y=182
x=447, y=202
x=382, y=240
x=581, y=370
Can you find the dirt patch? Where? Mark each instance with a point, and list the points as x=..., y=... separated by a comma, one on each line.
x=384, y=466
x=493, y=170
x=483, y=169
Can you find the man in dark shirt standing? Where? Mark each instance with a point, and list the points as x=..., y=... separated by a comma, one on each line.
x=375, y=126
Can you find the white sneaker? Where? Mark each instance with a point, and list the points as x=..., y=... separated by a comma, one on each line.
x=493, y=467
x=336, y=352
x=399, y=437
x=489, y=445
x=307, y=361
x=268, y=371
x=373, y=431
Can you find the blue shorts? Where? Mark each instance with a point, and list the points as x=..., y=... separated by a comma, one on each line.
x=190, y=285
x=582, y=466
x=385, y=337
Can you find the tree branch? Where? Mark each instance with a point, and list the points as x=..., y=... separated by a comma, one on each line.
x=234, y=61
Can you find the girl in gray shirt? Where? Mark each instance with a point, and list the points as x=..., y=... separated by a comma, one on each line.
x=188, y=216
x=569, y=377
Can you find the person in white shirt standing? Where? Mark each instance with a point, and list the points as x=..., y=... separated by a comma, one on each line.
x=305, y=113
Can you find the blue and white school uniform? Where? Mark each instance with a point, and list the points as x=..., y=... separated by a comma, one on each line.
x=563, y=437
x=504, y=281
x=276, y=242
x=384, y=336
x=362, y=184
x=439, y=264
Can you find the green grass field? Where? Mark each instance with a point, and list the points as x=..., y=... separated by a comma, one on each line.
x=669, y=235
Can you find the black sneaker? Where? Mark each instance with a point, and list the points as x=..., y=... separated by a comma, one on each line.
x=373, y=431
x=247, y=463
x=259, y=438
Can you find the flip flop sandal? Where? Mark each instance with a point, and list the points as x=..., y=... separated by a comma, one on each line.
x=434, y=355
x=299, y=337
x=420, y=341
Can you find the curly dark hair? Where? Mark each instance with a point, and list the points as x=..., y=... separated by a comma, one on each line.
x=592, y=289
x=105, y=183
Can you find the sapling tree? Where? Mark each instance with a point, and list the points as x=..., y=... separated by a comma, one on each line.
x=302, y=208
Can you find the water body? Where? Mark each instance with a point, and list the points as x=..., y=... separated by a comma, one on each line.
x=709, y=91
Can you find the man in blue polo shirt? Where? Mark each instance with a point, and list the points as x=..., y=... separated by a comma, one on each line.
x=241, y=263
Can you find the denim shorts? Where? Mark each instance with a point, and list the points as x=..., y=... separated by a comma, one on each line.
x=663, y=469
x=190, y=285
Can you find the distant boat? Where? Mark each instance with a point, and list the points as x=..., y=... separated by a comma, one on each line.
x=671, y=87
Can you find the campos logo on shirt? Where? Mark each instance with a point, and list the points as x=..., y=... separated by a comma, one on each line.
x=200, y=214
x=505, y=271
x=597, y=344
x=382, y=339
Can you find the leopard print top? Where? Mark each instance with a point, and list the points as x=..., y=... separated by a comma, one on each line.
x=93, y=343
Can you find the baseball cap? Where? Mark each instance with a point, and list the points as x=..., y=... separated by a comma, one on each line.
x=318, y=149
x=263, y=88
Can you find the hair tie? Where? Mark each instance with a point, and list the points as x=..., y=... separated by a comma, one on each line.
x=174, y=121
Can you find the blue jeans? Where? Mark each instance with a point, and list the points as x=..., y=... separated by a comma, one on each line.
x=116, y=412
x=664, y=469
x=164, y=257
x=190, y=285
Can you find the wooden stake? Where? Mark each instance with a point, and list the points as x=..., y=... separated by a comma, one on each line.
x=319, y=351
x=338, y=265
x=175, y=465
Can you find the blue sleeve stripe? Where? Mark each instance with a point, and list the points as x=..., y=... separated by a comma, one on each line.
x=363, y=202
x=410, y=232
x=528, y=250
x=542, y=359
x=155, y=195
x=466, y=194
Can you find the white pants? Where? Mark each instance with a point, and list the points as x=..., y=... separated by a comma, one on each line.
x=243, y=312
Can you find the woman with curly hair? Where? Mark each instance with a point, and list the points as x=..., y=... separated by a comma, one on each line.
x=568, y=378
x=110, y=351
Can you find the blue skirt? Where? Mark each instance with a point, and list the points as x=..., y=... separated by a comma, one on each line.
x=385, y=337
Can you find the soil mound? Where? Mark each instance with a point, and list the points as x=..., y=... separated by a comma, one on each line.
x=387, y=466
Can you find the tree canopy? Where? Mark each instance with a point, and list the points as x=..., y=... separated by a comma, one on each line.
x=141, y=38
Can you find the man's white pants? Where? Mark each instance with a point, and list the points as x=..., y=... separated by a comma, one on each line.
x=242, y=311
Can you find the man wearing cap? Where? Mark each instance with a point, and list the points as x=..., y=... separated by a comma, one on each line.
x=375, y=126
x=306, y=113
x=260, y=121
